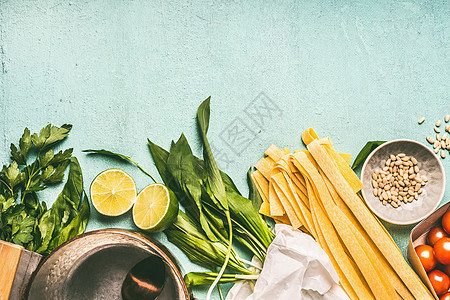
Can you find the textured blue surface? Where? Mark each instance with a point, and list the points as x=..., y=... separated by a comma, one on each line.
x=122, y=71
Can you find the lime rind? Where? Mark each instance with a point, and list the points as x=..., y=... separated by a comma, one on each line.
x=170, y=213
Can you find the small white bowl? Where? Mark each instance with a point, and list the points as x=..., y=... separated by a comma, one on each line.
x=429, y=165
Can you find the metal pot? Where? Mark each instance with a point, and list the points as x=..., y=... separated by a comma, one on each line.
x=93, y=266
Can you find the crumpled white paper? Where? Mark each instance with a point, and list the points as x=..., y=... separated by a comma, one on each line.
x=295, y=268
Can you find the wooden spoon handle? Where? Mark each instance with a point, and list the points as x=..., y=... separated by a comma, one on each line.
x=9, y=260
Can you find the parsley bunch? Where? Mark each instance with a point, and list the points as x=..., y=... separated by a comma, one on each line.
x=26, y=221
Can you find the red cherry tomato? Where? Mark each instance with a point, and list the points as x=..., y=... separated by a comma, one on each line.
x=446, y=296
x=439, y=281
x=435, y=234
x=442, y=251
x=446, y=222
x=426, y=257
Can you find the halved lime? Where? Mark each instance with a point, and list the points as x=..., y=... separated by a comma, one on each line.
x=156, y=208
x=113, y=192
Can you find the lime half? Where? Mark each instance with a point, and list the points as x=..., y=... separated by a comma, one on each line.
x=156, y=208
x=113, y=192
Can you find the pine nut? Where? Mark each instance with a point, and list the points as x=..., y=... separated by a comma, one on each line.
x=421, y=120
x=438, y=123
x=437, y=130
x=442, y=154
x=438, y=136
x=447, y=118
x=417, y=188
x=430, y=140
x=398, y=180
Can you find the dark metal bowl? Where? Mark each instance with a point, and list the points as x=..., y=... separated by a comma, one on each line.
x=93, y=266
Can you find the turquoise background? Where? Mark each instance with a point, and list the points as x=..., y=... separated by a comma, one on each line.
x=122, y=71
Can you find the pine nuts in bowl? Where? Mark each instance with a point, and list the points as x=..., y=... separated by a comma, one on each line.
x=404, y=181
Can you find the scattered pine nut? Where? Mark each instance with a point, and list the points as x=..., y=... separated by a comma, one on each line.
x=430, y=140
x=421, y=120
x=438, y=123
x=447, y=118
x=442, y=154
x=437, y=130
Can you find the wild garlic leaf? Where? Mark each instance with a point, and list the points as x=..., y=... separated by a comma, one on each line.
x=181, y=165
x=120, y=157
x=74, y=228
x=72, y=191
x=214, y=183
x=207, y=278
x=46, y=226
x=45, y=159
x=253, y=195
x=204, y=252
x=243, y=211
x=50, y=135
x=160, y=158
x=188, y=225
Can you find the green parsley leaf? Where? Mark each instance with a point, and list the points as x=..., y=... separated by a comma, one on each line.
x=50, y=135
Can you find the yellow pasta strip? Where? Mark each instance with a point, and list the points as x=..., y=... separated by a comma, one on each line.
x=308, y=136
x=282, y=190
x=354, y=244
x=287, y=206
x=342, y=165
x=261, y=184
x=265, y=166
x=274, y=153
x=367, y=220
x=385, y=267
x=265, y=209
x=276, y=207
x=344, y=263
x=342, y=276
x=282, y=219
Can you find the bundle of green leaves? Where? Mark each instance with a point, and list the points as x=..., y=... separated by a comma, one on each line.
x=215, y=213
x=201, y=231
x=24, y=219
